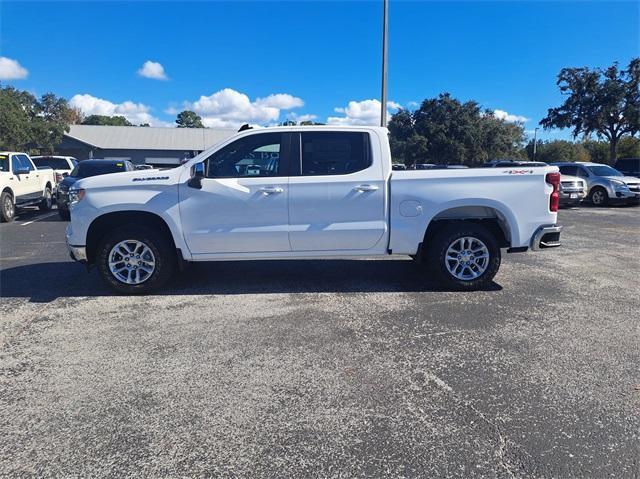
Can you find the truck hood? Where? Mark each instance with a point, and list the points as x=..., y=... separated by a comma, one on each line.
x=130, y=178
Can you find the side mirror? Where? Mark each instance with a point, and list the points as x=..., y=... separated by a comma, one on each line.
x=21, y=171
x=197, y=173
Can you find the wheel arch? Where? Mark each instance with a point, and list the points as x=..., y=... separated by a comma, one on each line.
x=108, y=221
x=492, y=218
x=7, y=189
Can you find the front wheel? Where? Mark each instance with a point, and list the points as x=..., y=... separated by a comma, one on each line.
x=135, y=260
x=599, y=196
x=464, y=256
x=7, y=208
x=47, y=200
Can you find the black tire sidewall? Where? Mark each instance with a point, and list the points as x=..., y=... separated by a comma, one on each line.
x=437, y=252
x=6, y=217
x=160, y=246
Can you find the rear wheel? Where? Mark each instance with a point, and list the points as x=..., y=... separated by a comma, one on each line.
x=464, y=256
x=599, y=196
x=47, y=200
x=7, y=208
x=135, y=260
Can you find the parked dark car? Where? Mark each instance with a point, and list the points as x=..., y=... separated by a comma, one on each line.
x=628, y=166
x=85, y=169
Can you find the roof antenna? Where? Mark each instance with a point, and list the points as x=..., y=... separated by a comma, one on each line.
x=245, y=127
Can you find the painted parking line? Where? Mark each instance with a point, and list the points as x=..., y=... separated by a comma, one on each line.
x=38, y=219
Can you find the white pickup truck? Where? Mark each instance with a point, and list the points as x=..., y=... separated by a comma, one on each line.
x=23, y=184
x=309, y=192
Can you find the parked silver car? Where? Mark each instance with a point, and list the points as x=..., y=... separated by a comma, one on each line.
x=604, y=184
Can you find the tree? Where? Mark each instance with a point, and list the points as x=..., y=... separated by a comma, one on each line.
x=15, y=107
x=51, y=122
x=189, y=119
x=605, y=103
x=629, y=147
x=554, y=151
x=444, y=130
x=27, y=123
x=106, y=120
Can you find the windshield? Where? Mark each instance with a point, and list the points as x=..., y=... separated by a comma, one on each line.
x=604, y=170
x=85, y=170
x=4, y=163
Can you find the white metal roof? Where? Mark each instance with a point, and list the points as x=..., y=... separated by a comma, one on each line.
x=148, y=138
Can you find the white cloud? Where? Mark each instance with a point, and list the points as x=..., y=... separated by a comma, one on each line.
x=412, y=104
x=365, y=112
x=392, y=105
x=283, y=101
x=12, y=70
x=229, y=108
x=152, y=70
x=136, y=113
x=508, y=117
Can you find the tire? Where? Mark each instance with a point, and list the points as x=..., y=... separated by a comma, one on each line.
x=162, y=255
x=468, y=238
x=598, y=196
x=65, y=215
x=7, y=208
x=47, y=200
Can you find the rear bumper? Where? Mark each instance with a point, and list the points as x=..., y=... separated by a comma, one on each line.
x=546, y=237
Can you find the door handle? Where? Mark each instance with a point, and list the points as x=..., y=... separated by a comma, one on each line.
x=364, y=188
x=271, y=190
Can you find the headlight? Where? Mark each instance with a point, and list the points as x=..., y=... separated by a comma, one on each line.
x=75, y=196
x=619, y=185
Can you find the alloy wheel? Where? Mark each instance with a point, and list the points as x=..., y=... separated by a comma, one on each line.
x=467, y=258
x=131, y=262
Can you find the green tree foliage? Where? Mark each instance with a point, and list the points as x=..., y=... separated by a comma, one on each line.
x=605, y=103
x=598, y=151
x=189, y=119
x=106, y=120
x=629, y=147
x=27, y=123
x=444, y=130
x=557, y=150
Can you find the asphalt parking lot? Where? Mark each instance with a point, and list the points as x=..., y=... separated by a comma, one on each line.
x=324, y=368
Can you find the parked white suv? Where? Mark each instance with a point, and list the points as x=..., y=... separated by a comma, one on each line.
x=23, y=184
x=309, y=192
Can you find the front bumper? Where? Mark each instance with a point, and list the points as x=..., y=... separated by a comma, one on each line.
x=77, y=253
x=546, y=237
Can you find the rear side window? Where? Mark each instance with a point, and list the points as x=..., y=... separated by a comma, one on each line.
x=55, y=163
x=569, y=170
x=334, y=153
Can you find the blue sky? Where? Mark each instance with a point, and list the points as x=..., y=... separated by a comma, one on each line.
x=263, y=62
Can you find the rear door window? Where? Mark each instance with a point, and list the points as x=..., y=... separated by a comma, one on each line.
x=334, y=153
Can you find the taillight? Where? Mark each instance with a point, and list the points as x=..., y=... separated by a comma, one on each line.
x=554, y=180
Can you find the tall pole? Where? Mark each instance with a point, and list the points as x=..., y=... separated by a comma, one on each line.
x=535, y=142
x=385, y=33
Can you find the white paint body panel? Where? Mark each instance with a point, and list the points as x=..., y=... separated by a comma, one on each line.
x=317, y=216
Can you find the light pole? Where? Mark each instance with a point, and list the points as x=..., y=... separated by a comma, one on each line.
x=385, y=32
x=535, y=142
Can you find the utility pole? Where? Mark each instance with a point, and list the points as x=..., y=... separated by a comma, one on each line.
x=385, y=33
x=535, y=142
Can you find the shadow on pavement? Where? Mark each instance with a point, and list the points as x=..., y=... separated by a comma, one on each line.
x=45, y=282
